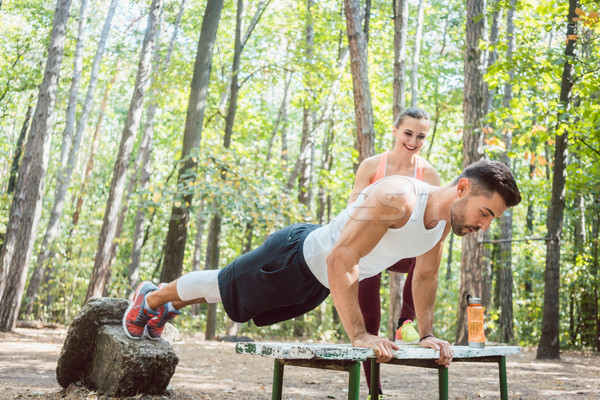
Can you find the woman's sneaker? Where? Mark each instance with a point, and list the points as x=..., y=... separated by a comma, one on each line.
x=138, y=313
x=156, y=325
x=407, y=333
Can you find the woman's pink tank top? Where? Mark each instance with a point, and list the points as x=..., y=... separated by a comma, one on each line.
x=380, y=173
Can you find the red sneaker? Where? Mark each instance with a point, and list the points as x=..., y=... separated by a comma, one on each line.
x=138, y=313
x=156, y=325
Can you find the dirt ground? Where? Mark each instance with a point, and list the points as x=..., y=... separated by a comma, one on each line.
x=213, y=371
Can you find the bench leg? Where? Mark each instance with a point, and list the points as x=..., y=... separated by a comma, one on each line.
x=374, y=389
x=503, y=380
x=354, y=382
x=443, y=383
x=277, y=380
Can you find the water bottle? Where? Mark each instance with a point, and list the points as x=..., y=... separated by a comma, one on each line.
x=475, y=319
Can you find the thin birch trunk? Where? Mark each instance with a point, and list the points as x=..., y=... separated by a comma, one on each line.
x=307, y=143
x=117, y=187
x=414, y=77
x=26, y=206
x=14, y=167
x=400, y=39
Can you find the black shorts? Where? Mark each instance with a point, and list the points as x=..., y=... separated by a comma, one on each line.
x=272, y=283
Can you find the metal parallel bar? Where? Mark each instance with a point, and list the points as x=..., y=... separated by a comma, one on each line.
x=443, y=383
x=374, y=389
x=354, y=382
x=277, y=380
x=503, y=380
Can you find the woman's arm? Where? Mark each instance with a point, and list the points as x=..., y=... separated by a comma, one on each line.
x=366, y=171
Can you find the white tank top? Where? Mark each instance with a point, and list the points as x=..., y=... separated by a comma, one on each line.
x=411, y=240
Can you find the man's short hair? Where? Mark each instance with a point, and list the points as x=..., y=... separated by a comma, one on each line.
x=492, y=176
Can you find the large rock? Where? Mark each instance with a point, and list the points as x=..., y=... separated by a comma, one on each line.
x=97, y=352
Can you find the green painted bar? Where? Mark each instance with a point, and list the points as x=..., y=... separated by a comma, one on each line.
x=354, y=382
x=374, y=389
x=503, y=380
x=277, y=380
x=443, y=383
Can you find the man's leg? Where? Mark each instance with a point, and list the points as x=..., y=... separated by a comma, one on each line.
x=152, y=306
x=194, y=287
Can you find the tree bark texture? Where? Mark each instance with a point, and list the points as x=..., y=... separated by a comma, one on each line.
x=235, y=70
x=307, y=148
x=14, y=166
x=117, y=186
x=414, y=77
x=400, y=38
x=212, y=262
x=471, y=279
x=365, y=131
x=26, y=206
x=549, y=346
x=192, y=136
x=493, y=54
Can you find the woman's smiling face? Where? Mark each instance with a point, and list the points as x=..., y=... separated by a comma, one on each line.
x=411, y=134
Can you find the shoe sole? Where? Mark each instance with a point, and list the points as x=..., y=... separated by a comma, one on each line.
x=131, y=304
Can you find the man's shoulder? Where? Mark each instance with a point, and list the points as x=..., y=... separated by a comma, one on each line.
x=394, y=190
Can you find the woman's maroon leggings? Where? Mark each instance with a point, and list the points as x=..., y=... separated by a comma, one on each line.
x=370, y=305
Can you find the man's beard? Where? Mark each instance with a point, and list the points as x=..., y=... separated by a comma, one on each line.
x=457, y=218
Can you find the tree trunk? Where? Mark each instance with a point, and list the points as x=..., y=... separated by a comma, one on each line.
x=26, y=206
x=146, y=154
x=400, y=39
x=280, y=116
x=177, y=235
x=549, y=346
x=212, y=262
x=70, y=150
x=365, y=131
x=14, y=167
x=449, y=259
x=307, y=146
x=471, y=281
x=324, y=198
x=493, y=54
x=505, y=247
x=414, y=77
x=595, y=231
x=117, y=187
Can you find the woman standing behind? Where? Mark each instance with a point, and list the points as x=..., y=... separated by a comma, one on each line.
x=410, y=132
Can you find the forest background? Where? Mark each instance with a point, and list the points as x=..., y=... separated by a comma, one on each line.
x=139, y=141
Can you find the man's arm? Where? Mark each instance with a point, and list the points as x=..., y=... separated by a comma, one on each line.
x=424, y=288
x=380, y=211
